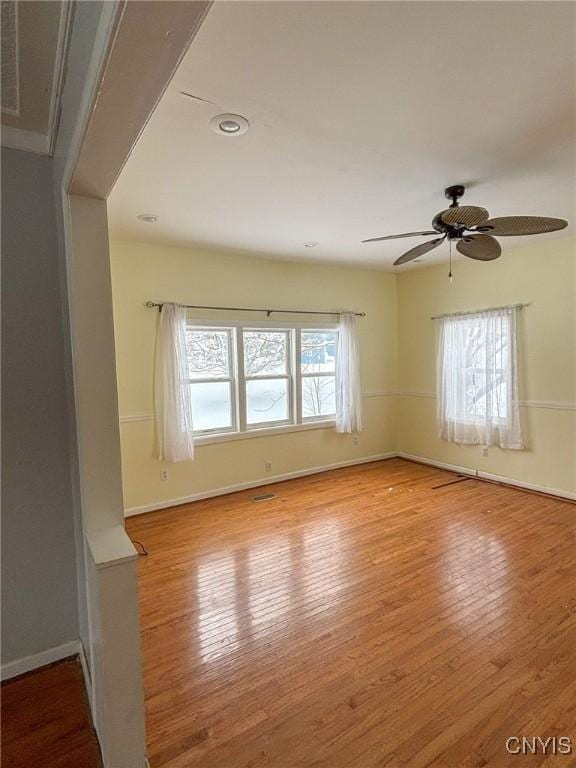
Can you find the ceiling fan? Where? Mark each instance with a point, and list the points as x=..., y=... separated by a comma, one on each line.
x=473, y=229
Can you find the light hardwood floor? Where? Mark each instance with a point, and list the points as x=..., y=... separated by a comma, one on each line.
x=364, y=618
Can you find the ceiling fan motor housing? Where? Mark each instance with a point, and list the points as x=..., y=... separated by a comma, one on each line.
x=452, y=231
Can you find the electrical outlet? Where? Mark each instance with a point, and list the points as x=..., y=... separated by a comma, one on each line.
x=268, y=466
x=163, y=474
x=484, y=451
x=355, y=439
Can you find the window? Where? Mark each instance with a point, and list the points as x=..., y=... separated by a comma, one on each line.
x=477, y=379
x=484, y=381
x=245, y=378
x=211, y=371
x=267, y=376
x=318, y=373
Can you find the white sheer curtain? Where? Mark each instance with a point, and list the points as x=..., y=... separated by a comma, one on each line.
x=477, y=400
x=348, y=392
x=173, y=402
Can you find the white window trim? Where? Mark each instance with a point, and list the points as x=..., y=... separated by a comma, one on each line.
x=297, y=423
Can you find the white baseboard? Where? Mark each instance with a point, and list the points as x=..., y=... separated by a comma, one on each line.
x=131, y=511
x=49, y=656
x=254, y=484
x=487, y=476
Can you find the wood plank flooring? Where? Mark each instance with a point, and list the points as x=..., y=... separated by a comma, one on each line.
x=46, y=720
x=362, y=619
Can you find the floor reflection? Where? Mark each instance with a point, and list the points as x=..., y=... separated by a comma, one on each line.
x=218, y=625
x=323, y=559
x=475, y=565
x=269, y=587
x=249, y=595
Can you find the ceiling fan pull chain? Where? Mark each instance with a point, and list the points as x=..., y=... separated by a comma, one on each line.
x=450, y=277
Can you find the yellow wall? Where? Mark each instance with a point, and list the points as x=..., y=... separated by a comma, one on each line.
x=143, y=271
x=543, y=275
x=398, y=347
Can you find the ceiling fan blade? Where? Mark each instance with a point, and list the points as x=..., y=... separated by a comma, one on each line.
x=394, y=237
x=507, y=226
x=419, y=250
x=480, y=247
x=467, y=215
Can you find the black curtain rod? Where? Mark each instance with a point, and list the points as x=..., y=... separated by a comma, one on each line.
x=160, y=304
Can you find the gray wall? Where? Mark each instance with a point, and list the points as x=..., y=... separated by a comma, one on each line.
x=39, y=600
x=86, y=19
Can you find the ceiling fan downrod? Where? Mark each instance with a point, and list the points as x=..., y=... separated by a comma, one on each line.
x=454, y=193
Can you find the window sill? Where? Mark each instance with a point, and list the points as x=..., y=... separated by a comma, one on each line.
x=226, y=437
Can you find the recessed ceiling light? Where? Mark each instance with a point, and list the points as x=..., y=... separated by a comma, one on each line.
x=229, y=125
x=149, y=218
x=311, y=244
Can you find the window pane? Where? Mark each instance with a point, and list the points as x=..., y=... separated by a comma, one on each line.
x=266, y=400
x=208, y=356
x=211, y=405
x=265, y=352
x=318, y=396
x=318, y=353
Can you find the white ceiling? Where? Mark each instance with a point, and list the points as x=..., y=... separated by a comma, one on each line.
x=361, y=113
